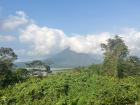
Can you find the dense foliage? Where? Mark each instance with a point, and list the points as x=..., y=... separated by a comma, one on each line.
x=74, y=88
x=117, y=61
x=7, y=57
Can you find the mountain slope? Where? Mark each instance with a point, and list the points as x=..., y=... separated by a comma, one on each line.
x=69, y=58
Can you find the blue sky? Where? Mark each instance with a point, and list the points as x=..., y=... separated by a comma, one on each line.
x=77, y=19
x=78, y=16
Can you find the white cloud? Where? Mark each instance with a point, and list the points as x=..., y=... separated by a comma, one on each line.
x=7, y=38
x=13, y=22
x=132, y=38
x=89, y=44
x=44, y=40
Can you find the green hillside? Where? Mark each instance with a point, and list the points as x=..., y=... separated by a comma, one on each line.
x=80, y=87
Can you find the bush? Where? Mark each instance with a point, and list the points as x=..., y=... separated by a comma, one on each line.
x=72, y=89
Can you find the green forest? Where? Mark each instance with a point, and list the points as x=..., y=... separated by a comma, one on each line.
x=113, y=82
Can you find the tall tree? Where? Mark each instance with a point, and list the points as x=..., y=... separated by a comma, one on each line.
x=7, y=57
x=7, y=54
x=115, y=52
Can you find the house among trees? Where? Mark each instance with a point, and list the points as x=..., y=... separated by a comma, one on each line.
x=38, y=68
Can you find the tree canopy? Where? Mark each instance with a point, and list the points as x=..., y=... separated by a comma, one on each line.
x=38, y=65
x=117, y=61
x=7, y=57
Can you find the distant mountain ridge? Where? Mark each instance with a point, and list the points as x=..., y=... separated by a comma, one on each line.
x=68, y=58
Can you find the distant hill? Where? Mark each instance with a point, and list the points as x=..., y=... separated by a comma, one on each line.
x=69, y=59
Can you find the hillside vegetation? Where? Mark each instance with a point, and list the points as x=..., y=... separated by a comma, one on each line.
x=75, y=88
